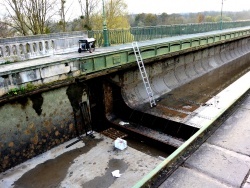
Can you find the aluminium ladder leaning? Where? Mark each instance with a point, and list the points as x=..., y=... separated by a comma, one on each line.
x=143, y=74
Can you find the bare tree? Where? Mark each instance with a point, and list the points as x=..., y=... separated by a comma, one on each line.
x=63, y=11
x=5, y=31
x=62, y=14
x=30, y=16
x=88, y=8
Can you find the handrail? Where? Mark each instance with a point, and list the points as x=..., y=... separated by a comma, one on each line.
x=121, y=36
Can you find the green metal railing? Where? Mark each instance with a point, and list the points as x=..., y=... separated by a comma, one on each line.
x=121, y=36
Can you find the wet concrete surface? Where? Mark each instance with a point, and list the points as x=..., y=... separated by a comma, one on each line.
x=52, y=172
x=87, y=163
x=106, y=180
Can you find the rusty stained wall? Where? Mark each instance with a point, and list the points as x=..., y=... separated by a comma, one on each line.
x=35, y=124
x=108, y=99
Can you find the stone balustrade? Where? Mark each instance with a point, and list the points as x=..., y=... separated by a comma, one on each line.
x=31, y=47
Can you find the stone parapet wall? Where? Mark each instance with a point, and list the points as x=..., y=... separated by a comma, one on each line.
x=31, y=47
x=37, y=76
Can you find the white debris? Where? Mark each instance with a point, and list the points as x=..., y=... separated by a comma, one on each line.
x=123, y=123
x=125, y=48
x=162, y=158
x=116, y=173
x=187, y=107
x=120, y=143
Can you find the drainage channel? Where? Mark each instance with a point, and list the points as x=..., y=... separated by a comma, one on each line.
x=160, y=133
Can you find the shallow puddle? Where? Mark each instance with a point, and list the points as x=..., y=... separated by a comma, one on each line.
x=50, y=173
x=107, y=179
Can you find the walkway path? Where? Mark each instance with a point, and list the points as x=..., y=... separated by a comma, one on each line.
x=223, y=160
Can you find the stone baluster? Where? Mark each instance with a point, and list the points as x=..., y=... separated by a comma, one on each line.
x=1, y=51
x=31, y=48
x=18, y=53
x=24, y=50
x=42, y=51
x=6, y=50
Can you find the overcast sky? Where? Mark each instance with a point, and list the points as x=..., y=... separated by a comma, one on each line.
x=167, y=6
x=178, y=6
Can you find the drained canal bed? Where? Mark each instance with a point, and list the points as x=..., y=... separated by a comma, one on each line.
x=180, y=104
x=170, y=123
x=88, y=163
x=166, y=127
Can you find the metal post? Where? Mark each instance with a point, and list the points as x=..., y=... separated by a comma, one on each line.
x=105, y=30
x=221, y=15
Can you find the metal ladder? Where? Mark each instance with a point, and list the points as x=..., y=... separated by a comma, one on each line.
x=143, y=74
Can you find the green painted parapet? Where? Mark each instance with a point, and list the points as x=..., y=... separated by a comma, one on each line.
x=126, y=56
x=112, y=59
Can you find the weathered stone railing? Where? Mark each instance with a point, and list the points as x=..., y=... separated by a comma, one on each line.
x=31, y=47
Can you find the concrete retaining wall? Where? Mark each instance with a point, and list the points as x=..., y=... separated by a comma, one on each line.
x=32, y=125
x=173, y=72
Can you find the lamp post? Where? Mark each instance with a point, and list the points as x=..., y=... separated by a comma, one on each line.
x=221, y=14
x=104, y=26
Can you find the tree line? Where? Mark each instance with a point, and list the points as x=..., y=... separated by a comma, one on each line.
x=141, y=20
x=33, y=17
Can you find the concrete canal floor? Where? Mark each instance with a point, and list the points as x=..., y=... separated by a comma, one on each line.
x=88, y=163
